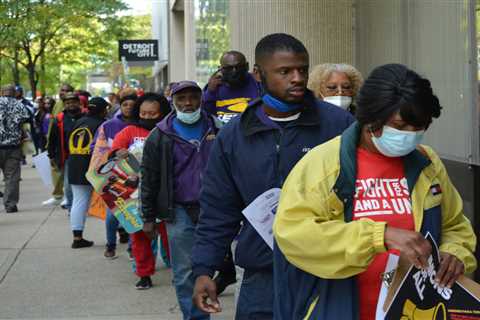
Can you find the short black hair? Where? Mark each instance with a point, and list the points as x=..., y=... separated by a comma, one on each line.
x=233, y=53
x=394, y=87
x=151, y=97
x=275, y=42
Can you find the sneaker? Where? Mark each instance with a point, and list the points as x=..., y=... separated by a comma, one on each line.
x=82, y=243
x=130, y=254
x=144, y=283
x=51, y=202
x=110, y=253
x=123, y=235
x=64, y=203
x=11, y=209
x=223, y=282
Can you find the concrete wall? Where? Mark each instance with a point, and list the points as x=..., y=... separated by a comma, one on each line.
x=324, y=26
x=435, y=38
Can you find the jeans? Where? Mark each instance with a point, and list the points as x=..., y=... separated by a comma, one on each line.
x=180, y=238
x=80, y=204
x=67, y=188
x=111, y=226
x=255, y=301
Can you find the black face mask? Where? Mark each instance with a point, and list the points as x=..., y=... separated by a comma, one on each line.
x=74, y=112
x=235, y=79
x=148, y=124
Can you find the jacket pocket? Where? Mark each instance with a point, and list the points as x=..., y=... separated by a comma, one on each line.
x=335, y=206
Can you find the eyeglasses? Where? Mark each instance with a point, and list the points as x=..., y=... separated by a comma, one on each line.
x=332, y=89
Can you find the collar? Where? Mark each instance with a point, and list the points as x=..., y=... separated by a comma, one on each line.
x=251, y=124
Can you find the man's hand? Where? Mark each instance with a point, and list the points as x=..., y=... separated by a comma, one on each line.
x=411, y=244
x=214, y=81
x=205, y=295
x=150, y=230
x=450, y=269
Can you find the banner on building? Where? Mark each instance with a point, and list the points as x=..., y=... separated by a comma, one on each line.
x=138, y=50
x=415, y=295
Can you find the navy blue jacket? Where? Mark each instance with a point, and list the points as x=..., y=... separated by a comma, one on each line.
x=251, y=155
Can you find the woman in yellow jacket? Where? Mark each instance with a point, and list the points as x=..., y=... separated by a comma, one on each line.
x=354, y=200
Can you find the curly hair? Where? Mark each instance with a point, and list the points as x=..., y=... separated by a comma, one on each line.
x=321, y=73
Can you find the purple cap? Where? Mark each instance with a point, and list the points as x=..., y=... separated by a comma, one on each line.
x=181, y=85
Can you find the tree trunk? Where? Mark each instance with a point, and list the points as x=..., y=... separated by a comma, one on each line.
x=32, y=78
x=15, y=69
x=42, y=74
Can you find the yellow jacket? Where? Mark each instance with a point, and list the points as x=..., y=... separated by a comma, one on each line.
x=313, y=227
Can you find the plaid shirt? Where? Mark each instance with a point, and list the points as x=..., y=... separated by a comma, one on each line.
x=12, y=115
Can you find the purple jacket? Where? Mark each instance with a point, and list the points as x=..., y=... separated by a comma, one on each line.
x=189, y=160
x=226, y=102
x=110, y=129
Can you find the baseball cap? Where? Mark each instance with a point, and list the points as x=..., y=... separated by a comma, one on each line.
x=97, y=103
x=182, y=85
x=71, y=96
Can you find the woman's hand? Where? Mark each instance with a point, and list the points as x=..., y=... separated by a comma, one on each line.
x=450, y=269
x=411, y=244
x=121, y=153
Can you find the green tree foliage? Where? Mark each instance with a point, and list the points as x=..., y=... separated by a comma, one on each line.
x=57, y=40
x=213, y=35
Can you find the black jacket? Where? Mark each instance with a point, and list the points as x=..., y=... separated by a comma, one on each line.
x=79, y=141
x=58, y=138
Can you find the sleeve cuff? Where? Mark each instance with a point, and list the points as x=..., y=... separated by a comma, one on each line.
x=379, y=236
x=202, y=271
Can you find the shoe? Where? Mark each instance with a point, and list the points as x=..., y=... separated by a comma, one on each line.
x=123, y=235
x=11, y=209
x=51, y=202
x=130, y=254
x=110, y=253
x=82, y=243
x=64, y=203
x=144, y=283
x=223, y=282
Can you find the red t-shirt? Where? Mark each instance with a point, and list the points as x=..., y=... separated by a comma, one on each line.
x=381, y=194
x=131, y=138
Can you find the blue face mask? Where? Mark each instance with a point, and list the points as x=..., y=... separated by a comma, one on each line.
x=188, y=117
x=280, y=105
x=397, y=143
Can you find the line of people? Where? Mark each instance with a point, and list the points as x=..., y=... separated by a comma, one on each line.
x=356, y=183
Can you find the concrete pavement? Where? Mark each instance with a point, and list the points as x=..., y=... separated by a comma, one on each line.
x=41, y=277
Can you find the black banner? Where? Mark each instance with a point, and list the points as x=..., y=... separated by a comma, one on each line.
x=419, y=297
x=138, y=50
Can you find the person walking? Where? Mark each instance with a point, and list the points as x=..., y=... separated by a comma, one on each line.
x=374, y=191
x=254, y=153
x=174, y=158
x=12, y=115
x=79, y=142
x=147, y=112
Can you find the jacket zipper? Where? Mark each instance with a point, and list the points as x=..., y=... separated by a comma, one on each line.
x=278, y=149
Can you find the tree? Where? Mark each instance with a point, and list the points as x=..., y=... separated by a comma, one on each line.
x=54, y=29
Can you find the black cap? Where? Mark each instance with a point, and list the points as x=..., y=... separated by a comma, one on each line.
x=97, y=103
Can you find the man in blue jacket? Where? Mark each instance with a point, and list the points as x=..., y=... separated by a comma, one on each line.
x=252, y=154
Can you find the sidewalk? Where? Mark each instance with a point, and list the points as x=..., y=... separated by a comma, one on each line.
x=41, y=277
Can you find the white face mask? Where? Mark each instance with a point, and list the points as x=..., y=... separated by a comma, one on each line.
x=340, y=101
